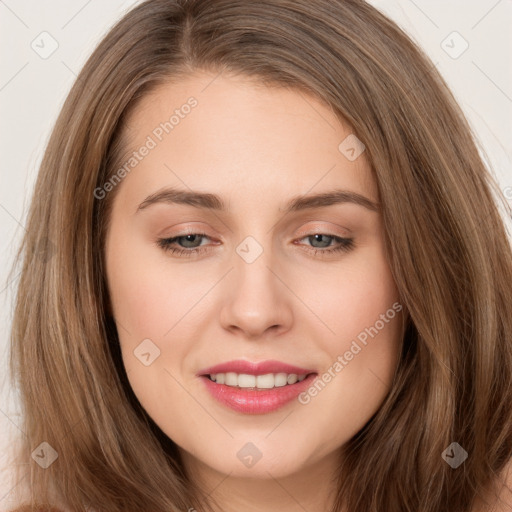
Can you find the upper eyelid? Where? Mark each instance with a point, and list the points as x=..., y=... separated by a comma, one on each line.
x=303, y=232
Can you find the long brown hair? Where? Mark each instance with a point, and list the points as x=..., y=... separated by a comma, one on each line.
x=446, y=243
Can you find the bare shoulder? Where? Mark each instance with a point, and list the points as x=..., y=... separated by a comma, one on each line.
x=502, y=502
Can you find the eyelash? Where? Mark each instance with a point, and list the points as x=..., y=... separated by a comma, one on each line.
x=346, y=244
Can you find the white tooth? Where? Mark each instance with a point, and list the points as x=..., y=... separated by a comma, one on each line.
x=292, y=378
x=265, y=381
x=280, y=380
x=231, y=379
x=246, y=381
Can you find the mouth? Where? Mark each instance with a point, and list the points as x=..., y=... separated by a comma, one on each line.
x=256, y=388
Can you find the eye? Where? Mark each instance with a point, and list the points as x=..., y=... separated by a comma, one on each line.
x=190, y=240
x=324, y=240
x=192, y=246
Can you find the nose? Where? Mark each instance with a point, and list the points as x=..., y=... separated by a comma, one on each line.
x=256, y=299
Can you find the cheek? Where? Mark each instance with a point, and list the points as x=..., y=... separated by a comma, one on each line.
x=149, y=295
x=350, y=296
x=155, y=299
x=360, y=306
x=150, y=305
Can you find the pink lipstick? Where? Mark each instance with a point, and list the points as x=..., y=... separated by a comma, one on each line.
x=256, y=388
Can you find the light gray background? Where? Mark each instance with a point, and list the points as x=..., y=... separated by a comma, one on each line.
x=33, y=88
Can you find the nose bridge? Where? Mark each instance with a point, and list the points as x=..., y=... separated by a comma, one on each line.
x=256, y=298
x=254, y=280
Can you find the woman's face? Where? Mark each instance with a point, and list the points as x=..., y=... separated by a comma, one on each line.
x=282, y=277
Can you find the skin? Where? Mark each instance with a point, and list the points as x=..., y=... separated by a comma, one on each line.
x=256, y=147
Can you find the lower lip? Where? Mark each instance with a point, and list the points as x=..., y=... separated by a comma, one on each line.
x=256, y=401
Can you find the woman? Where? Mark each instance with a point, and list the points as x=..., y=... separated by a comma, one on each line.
x=258, y=369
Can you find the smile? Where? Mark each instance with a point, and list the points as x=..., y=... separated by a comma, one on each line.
x=256, y=388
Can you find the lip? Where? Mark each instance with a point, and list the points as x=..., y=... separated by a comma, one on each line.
x=254, y=401
x=261, y=368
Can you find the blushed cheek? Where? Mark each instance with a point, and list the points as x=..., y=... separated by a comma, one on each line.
x=366, y=316
x=367, y=363
x=141, y=300
x=353, y=309
x=153, y=300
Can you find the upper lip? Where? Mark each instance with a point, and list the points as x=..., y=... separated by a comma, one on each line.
x=249, y=368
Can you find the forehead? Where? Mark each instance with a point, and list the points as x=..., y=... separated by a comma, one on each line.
x=226, y=133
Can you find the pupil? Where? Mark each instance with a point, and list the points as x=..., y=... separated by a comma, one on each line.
x=189, y=238
x=319, y=238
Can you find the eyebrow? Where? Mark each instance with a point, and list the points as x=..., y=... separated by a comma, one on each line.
x=214, y=202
